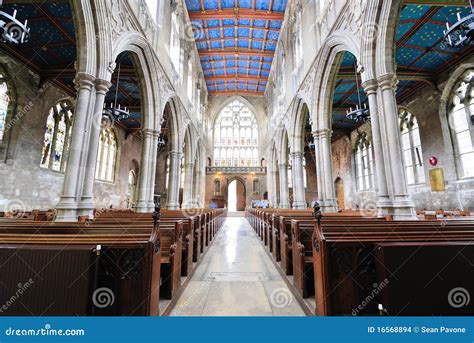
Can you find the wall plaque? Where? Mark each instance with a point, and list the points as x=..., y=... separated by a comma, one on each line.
x=437, y=180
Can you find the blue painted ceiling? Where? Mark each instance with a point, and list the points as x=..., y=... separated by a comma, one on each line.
x=236, y=40
x=51, y=53
x=420, y=50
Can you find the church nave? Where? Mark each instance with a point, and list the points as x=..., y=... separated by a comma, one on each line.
x=237, y=278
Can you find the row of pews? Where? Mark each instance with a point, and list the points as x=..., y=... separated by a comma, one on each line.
x=354, y=265
x=121, y=263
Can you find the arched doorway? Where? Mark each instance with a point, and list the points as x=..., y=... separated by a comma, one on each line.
x=339, y=185
x=236, y=196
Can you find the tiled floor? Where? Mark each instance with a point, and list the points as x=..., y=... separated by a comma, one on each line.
x=237, y=278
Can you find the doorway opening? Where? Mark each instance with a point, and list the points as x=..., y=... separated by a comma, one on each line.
x=236, y=196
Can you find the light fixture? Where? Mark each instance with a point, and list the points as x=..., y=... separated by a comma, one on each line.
x=114, y=112
x=12, y=30
x=461, y=33
x=161, y=141
x=361, y=113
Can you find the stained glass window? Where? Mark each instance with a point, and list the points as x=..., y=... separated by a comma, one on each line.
x=107, y=156
x=236, y=137
x=364, y=163
x=4, y=100
x=57, y=136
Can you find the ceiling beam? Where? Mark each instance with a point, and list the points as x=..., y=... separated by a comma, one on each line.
x=437, y=2
x=238, y=92
x=236, y=78
x=236, y=13
x=236, y=52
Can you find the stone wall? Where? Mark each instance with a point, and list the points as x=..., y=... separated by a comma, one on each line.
x=435, y=138
x=23, y=183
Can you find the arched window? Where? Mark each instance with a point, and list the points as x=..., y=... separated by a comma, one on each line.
x=190, y=86
x=411, y=146
x=132, y=183
x=305, y=173
x=167, y=172
x=364, y=162
x=181, y=183
x=175, y=48
x=290, y=172
x=57, y=136
x=217, y=187
x=4, y=101
x=461, y=122
x=236, y=137
x=256, y=186
x=107, y=156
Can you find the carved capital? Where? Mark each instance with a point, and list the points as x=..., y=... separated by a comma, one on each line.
x=102, y=86
x=387, y=81
x=370, y=86
x=84, y=81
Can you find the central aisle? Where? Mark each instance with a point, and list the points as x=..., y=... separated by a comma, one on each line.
x=237, y=278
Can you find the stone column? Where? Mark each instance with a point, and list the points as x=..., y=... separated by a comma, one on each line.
x=174, y=175
x=188, y=185
x=318, y=164
x=152, y=172
x=384, y=203
x=86, y=206
x=284, y=200
x=67, y=206
x=329, y=203
x=143, y=183
x=299, y=202
x=403, y=206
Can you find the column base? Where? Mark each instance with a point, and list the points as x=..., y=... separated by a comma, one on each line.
x=142, y=207
x=404, y=209
x=86, y=208
x=299, y=206
x=172, y=207
x=66, y=210
x=328, y=206
x=384, y=206
x=285, y=206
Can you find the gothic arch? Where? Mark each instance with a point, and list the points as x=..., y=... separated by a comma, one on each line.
x=86, y=36
x=327, y=67
x=387, y=21
x=146, y=66
x=297, y=125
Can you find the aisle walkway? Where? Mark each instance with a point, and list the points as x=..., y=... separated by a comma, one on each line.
x=237, y=278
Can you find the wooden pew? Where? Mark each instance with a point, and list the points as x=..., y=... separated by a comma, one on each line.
x=401, y=265
x=75, y=269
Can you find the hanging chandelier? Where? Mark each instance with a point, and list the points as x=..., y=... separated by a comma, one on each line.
x=361, y=113
x=114, y=112
x=461, y=33
x=161, y=141
x=12, y=30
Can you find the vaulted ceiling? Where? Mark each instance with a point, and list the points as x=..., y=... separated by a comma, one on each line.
x=236, y=41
